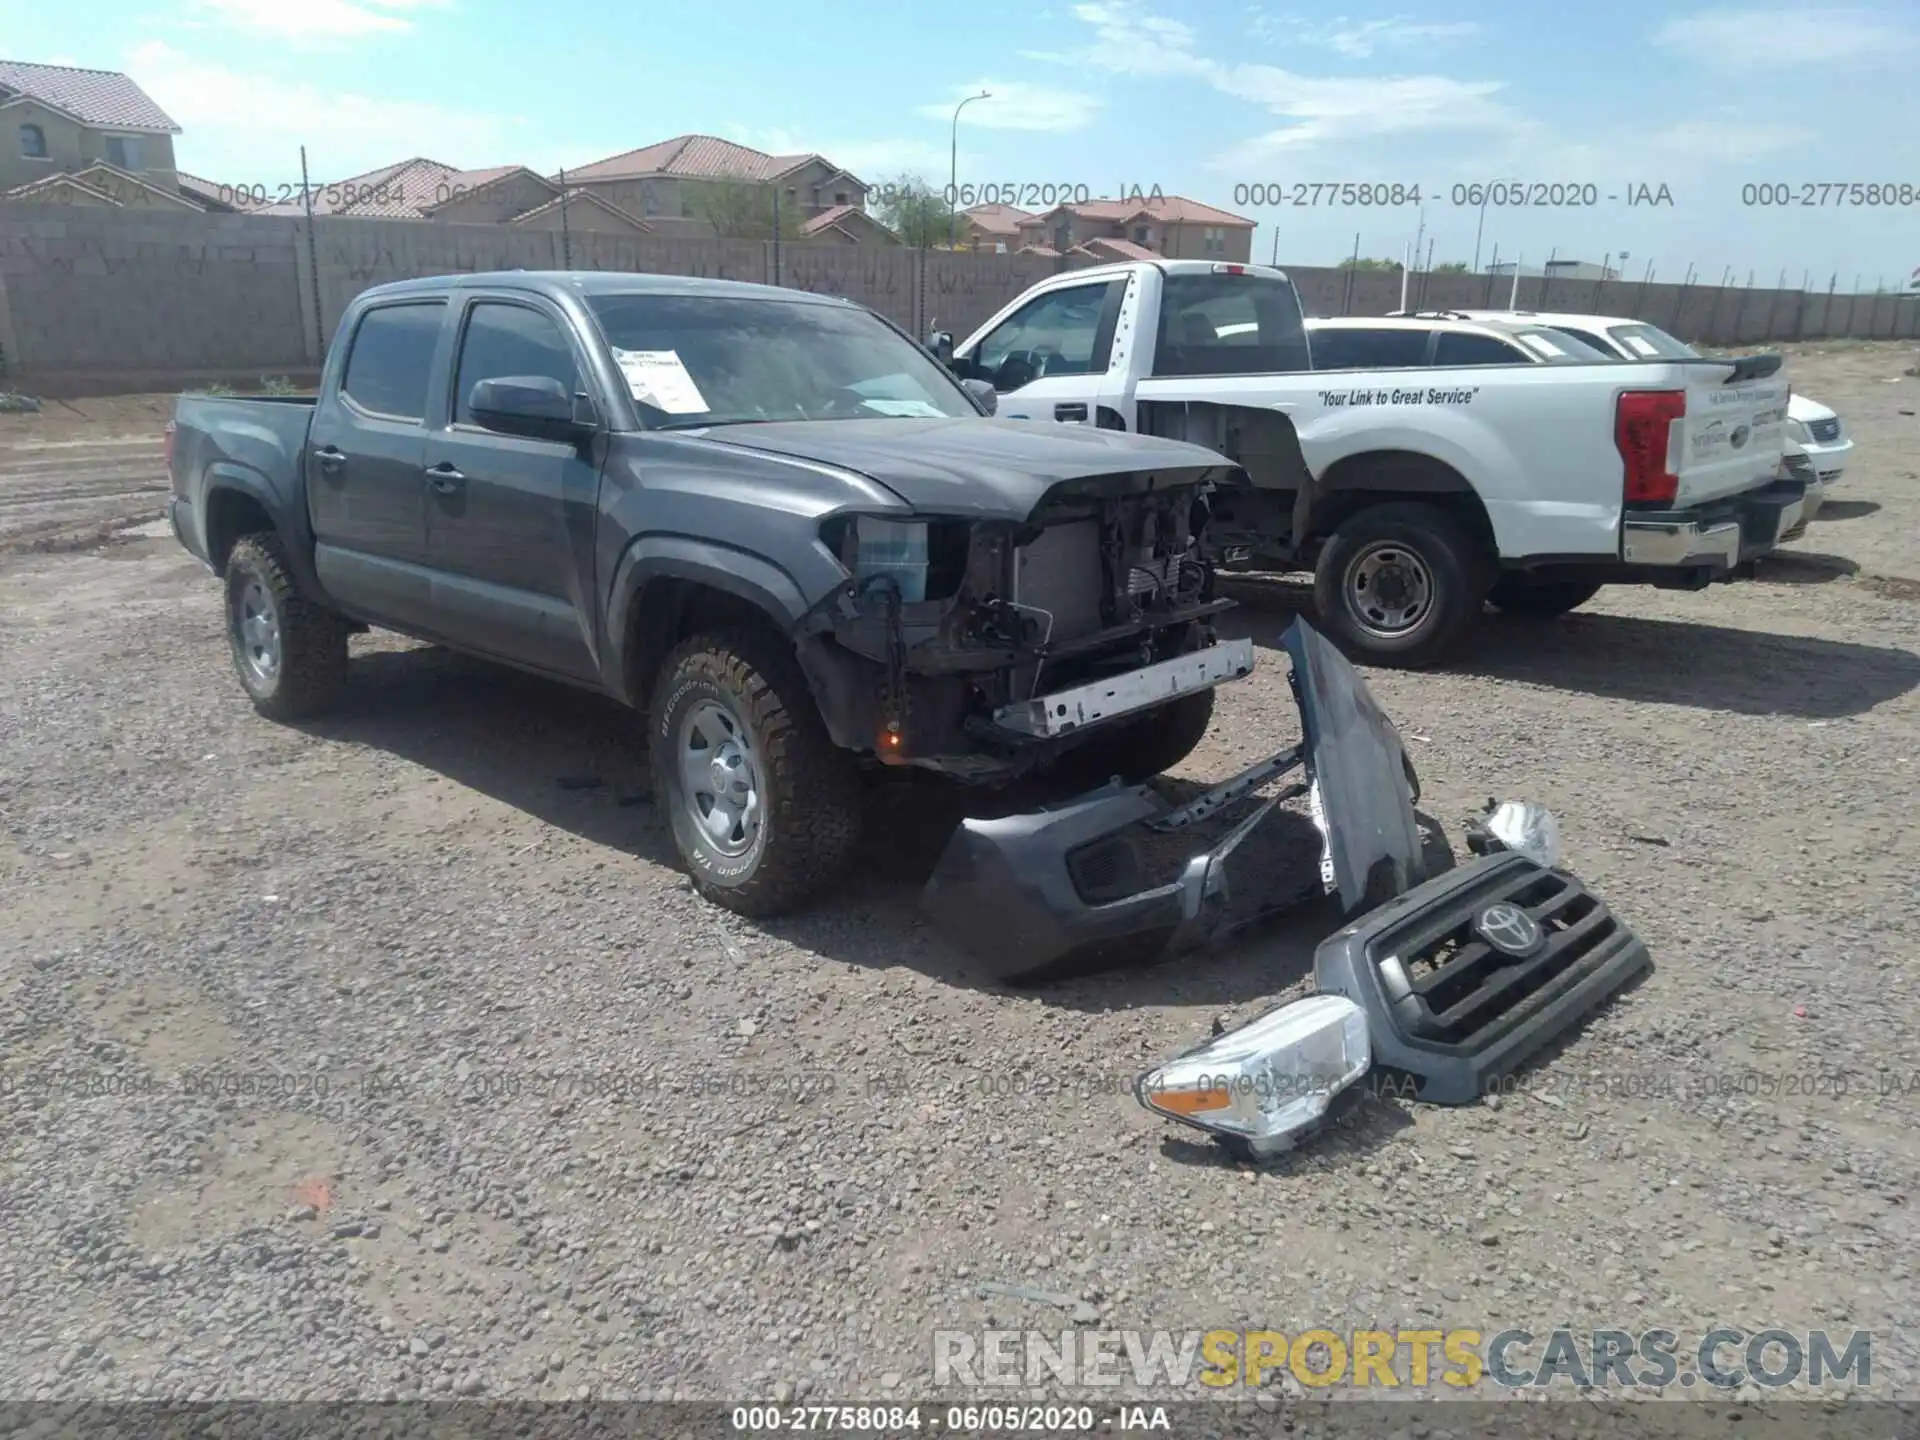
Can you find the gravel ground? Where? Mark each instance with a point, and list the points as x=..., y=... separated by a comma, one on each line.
x=511, y=1113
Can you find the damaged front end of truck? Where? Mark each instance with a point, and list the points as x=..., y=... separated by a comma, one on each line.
x=1027, y=604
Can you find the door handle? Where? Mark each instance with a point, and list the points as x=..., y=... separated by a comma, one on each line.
x=330, y=459
x=443, y=479
x=1069, y=412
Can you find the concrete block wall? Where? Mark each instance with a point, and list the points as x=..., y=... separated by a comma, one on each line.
x=93, y=301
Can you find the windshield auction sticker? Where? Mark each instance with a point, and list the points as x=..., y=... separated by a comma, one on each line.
x=658, y=378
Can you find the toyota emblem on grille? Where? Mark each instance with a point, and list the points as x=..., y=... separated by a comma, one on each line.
x=1508, y=929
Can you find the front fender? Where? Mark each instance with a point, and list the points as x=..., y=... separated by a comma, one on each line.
x=740, y=573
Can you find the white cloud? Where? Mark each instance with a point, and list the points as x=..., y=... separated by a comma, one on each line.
x=870, y=159
x=244, y=125
x=1130, y=41
x=1360, y=39
x=1016, y=105
x=307, y=20
x=1757, y=39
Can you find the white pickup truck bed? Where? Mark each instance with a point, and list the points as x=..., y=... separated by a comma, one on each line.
x=1532, y=484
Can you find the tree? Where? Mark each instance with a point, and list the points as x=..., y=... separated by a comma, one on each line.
x=741, y=209
x=1352, y=264
x=915, y=211
x=1451, y=267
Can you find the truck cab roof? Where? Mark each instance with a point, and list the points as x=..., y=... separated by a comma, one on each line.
x=600, y=282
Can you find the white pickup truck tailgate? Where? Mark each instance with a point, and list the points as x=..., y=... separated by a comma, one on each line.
x=1732, y=436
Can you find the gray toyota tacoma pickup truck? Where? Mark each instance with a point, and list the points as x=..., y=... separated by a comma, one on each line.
x=769, y=521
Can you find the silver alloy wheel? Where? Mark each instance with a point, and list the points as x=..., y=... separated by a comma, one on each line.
x=1389, y=589
x=720, y=779
x=257, y=631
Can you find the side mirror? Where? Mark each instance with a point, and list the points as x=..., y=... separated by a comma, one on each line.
x=984, y=392
x=536, y=406
x=940, y=342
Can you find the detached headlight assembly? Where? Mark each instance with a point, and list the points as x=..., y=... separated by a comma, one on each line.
x=1259, y=1088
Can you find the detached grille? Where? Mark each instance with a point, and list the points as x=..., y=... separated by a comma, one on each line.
x=1469, y=973
x=1459, y=990
x=1824, y=431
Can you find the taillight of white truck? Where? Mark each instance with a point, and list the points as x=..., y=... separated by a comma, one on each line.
x=1645, y=433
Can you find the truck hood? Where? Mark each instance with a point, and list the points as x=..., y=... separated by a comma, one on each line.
x=982, y=468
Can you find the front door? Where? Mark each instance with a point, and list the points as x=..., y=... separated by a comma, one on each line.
x=510, y=519
x=362, y=466
x=1048, y=359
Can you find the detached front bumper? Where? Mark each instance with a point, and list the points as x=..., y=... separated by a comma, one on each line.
x=1715, y=537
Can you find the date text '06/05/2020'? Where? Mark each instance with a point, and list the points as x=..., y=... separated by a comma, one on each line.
x=1500, y=194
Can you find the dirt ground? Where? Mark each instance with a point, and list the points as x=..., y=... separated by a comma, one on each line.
x=392, y=1055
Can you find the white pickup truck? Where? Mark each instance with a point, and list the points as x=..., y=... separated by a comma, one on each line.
x=1415, y=493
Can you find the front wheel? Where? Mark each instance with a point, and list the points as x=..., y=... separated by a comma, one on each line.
x=1543, y=599
x=765, y=809
x=1400, y=584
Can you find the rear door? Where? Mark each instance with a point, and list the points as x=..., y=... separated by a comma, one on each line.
x=363, y=461
x=1733, y=435
x=509, y=518
x=1048, y=360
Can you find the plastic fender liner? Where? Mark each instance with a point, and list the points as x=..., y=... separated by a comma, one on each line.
x=1467, y=975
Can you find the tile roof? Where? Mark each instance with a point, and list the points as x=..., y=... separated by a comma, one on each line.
x=90, y=175
x=826, y=219
x=1109, y=247
x=210, y=194
x=463, y=183
x=401, y=191
x=998, y=219
x=695, y=157
x=102, y=98
x=61, y=181
x=1171, y=209
x=585, y=197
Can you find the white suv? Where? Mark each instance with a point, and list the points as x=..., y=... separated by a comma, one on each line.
x=1424, y=341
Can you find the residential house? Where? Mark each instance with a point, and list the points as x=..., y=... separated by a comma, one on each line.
x=662, y=183
x=991, y=227
x=60, y=120
x=1163, y=227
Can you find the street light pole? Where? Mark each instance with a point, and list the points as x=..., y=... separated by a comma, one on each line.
x=1479, y=226
x=953, y=168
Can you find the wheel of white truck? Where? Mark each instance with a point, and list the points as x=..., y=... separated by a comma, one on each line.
x=1400, y=584
x=765, y=809
x=1518, y=595
x=290, y=654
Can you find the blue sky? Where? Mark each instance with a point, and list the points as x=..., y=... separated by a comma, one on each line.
x=1197, y=99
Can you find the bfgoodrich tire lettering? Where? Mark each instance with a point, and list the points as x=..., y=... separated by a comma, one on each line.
x=1423, y=551
x=290, y=654
x=806, y=807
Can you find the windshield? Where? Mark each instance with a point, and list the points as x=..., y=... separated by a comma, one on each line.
x=696, y=360
x=1650, y=342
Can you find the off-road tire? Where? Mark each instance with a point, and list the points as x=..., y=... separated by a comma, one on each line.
x=1540, y=599
x=1455, y=562
x=811, y=805
x=1138, y=750
x=313, y=640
